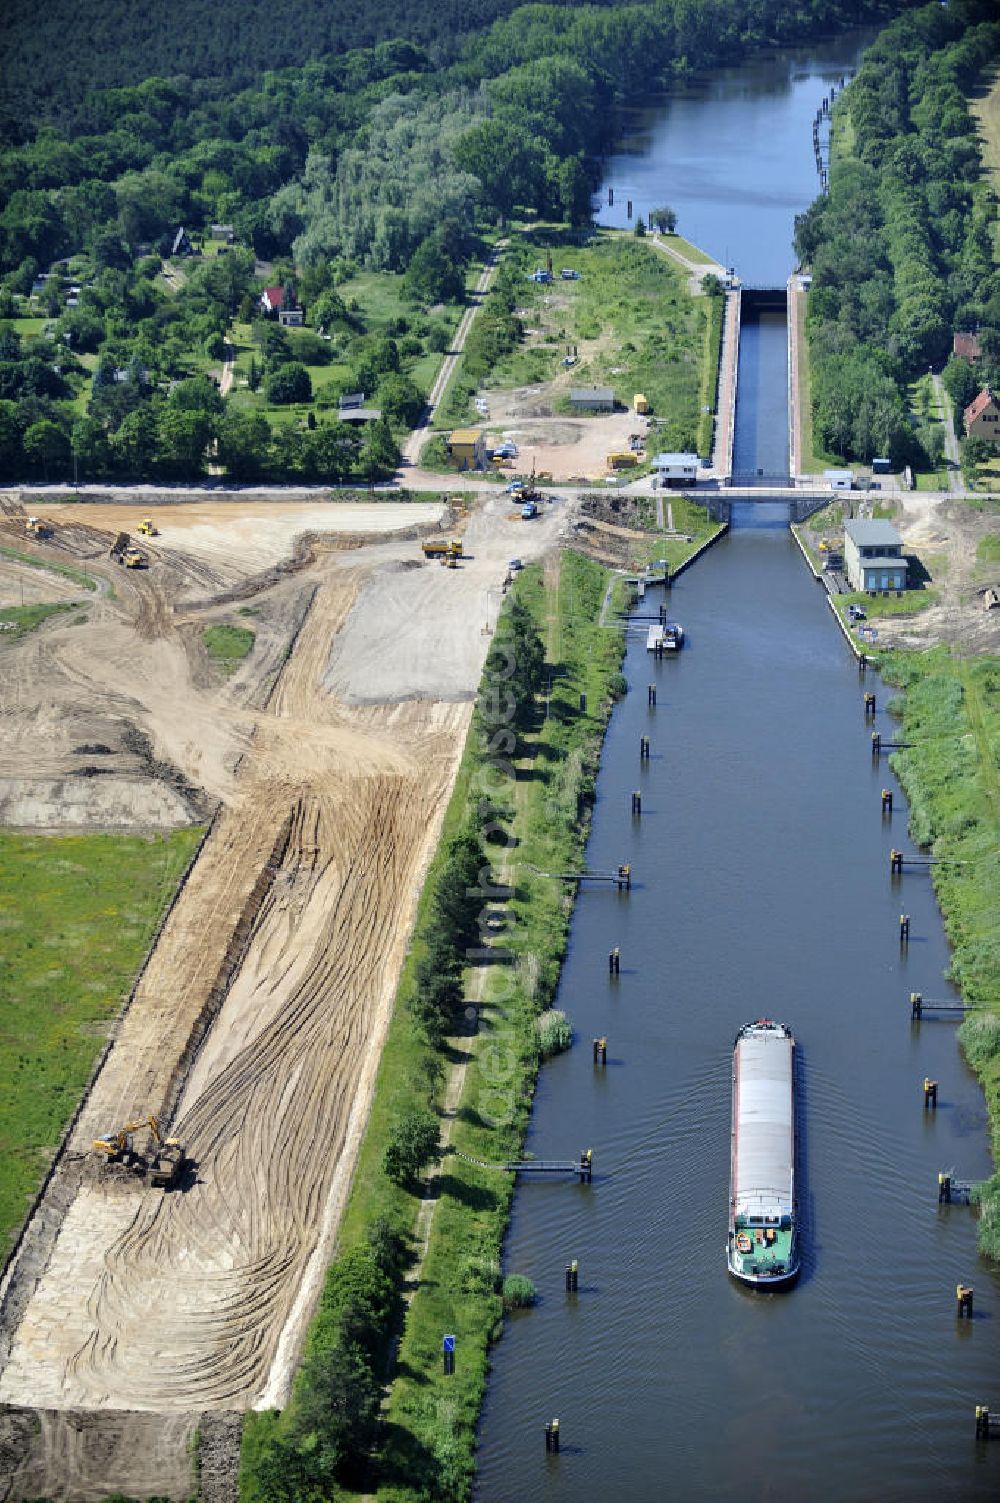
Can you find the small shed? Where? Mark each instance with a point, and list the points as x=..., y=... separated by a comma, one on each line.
x=839, y=480
x=467, y=448
x=592, y=399
x=676, y=469
x=873, y=557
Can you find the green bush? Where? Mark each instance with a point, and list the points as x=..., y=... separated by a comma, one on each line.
x=554, y=1033
x=518, y=1292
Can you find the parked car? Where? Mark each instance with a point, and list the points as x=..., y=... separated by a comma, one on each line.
x=514, y=565
x=506, y=450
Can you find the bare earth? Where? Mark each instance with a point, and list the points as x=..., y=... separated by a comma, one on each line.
x=567, y=448
x=256, y=1027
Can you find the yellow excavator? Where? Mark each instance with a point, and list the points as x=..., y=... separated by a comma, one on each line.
x=148, y=528
x=163, y=1160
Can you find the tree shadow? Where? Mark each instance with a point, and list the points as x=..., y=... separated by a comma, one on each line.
x=476, y=1197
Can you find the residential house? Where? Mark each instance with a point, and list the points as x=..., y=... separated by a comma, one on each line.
x=592, y=399
x=467, y=448
x=982, y=417
x=272, y=301
x=351, y=409
x=224, y=232
x=182, y=243
x=873, y=557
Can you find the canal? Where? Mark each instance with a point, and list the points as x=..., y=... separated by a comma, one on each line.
x=763, y=888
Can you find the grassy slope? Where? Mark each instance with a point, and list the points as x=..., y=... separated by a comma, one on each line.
x=76, y=913
x=227, y=646
x=18, y=620
x=951, y=773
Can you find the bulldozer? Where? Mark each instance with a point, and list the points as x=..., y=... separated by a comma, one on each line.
x=163, y=1158
x=123, y=551
x=148, y=528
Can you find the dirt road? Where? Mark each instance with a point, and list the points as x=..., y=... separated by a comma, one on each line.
x=256, y=1028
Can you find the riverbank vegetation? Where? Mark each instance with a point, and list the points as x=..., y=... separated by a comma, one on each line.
x=950, y=714
x=901, y=248
x=77, y=914
x=141, y=221
x=481, y=976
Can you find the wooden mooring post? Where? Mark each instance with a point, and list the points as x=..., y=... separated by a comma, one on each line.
x=886, y=800
x=963, y=1301
x=552, y=1437
x=904, y=928
x=614, y=962
x=982, y=1422
x=869, y=705
x=572, y=1277
x=930, y=1093
x=651, y=696
x=636, y=802
x=600, y=1051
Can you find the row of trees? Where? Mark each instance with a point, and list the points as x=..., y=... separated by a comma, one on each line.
x=901, y=247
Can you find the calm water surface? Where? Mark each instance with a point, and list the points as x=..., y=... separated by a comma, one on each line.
x=732, y=153
x=763, y=869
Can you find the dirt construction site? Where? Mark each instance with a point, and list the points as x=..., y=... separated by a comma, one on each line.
x=130, y=1316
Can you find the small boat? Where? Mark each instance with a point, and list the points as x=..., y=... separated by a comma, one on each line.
x=762, y=1249
x=668, y=637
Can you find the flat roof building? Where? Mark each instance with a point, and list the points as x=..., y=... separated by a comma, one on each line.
x=873, y=557
x=592, y=398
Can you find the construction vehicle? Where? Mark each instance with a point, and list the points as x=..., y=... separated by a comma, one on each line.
x=621, y=460
x=36, y=527
x=148, y=528
x=442, y=548
x=124, y=552
x=528, y=511
x=450, y=561
x=163, y=1158
x=640, y=403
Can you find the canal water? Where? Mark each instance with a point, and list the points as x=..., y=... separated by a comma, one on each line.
x=732, y=153
x=763, y=889
x=760, y=435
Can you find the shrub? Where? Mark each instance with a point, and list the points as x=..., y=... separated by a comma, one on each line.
x=518, y=1292
x=618, y=686
x=554, y=1033
x=979, y=1037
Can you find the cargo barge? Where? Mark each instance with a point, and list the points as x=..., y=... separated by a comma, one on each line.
x=762, y=1249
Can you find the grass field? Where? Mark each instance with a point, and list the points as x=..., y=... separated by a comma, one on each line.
x=631, y=321
x=17, y=621
x=76, y=913
x=227, y=646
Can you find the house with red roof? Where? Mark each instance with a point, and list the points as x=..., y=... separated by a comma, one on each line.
x=272, y=301
x=982, y=417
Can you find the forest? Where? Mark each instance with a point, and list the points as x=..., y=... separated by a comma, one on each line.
x=901, y=249
x=397, y=157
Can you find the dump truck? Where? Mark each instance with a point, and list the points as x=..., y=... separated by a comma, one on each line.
x=621, y=459
x=124, y=552
x=36, y=527
x=640, y=403
x=442, y=548
x=148, y=528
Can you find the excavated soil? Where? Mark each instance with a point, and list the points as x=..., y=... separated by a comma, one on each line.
x=256, y=1027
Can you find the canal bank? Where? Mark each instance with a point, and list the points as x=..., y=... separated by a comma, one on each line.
x=760, y=864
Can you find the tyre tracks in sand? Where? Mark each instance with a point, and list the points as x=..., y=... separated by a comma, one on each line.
x=255, y=1030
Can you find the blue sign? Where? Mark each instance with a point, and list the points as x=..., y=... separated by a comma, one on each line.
x=448, y=1343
